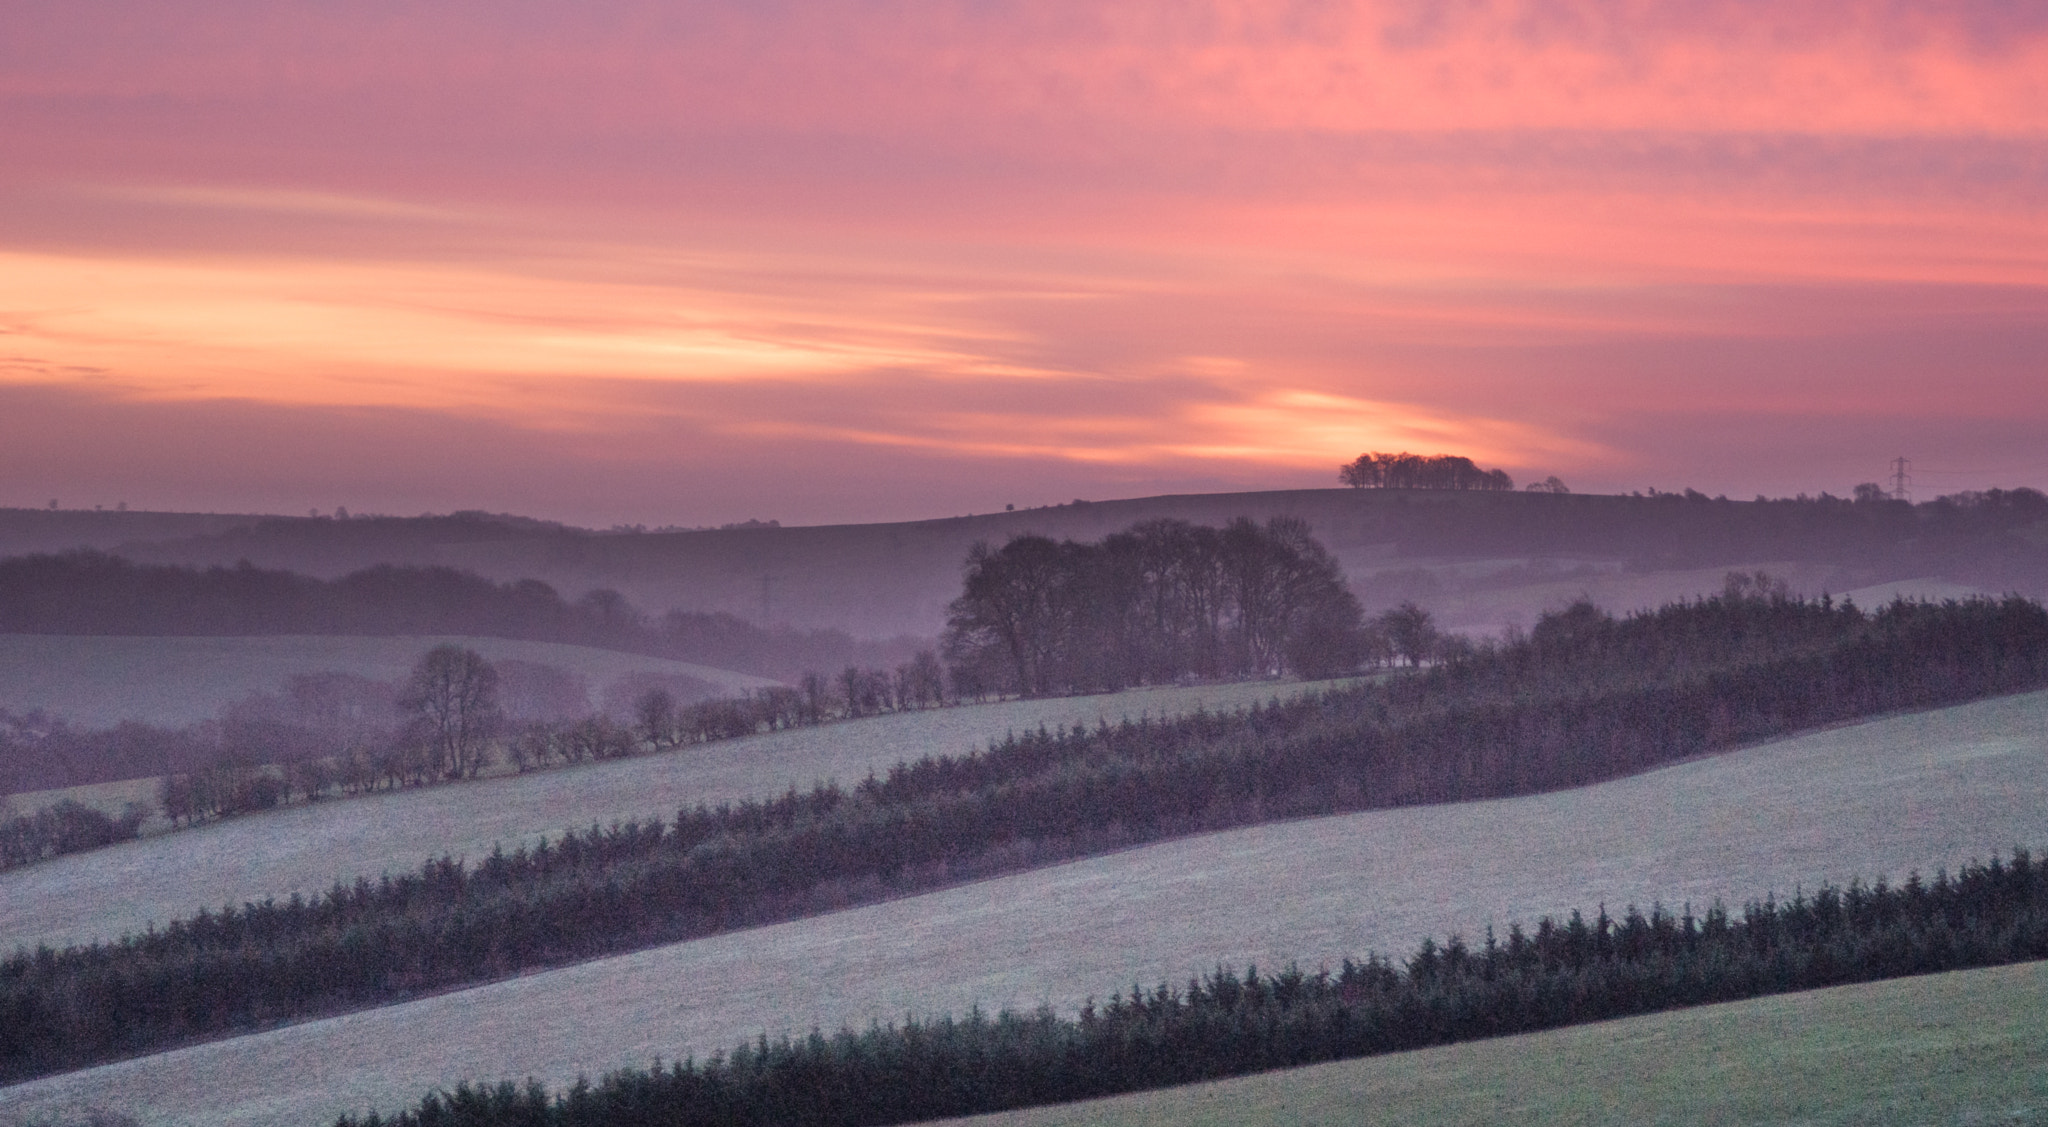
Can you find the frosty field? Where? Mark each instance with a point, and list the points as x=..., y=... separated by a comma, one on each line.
x=105, y=893
x=1965, y=1047
x=100, y=681
x=1907, y=792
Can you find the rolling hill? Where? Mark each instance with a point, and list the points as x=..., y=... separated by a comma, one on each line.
x=1479, y=560
x=99, y=895
x=1909, y=792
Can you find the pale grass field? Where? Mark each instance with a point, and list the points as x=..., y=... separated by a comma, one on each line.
x=306, y=848
x=1970, y=1047
x=1881, y=798
x=100, y=681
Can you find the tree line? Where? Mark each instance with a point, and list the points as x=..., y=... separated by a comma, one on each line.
x=1158, y=602
x=92, y=592
x=1563, y=972
x=64, y=827
x=340, y=735
x=1438, y=471
x=1582, y=697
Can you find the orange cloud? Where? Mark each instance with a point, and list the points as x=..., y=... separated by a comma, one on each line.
x=1223, y=238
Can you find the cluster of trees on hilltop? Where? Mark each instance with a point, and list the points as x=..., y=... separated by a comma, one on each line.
x=1419, y=471
x=91, y=592
x=1225, y=1024
x=1160, y=601
x=1582, y=697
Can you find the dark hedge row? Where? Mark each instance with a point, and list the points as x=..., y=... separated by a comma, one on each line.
x=1583, y=697
x=1227, y=1025
x=65, y=827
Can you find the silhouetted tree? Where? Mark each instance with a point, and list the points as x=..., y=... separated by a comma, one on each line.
x=1410, y=632
x=656, y=713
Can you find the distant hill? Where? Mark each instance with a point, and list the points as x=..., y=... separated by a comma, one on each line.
x=101, y=681
x=1478, y=560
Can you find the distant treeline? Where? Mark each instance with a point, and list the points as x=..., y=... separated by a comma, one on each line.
x=1160, y=601
x=336, y=733
x=91, y=592
x=1583, y=697
x=1564, y=973
x=64, y=827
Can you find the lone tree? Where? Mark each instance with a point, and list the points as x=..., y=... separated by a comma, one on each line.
x=452, y=697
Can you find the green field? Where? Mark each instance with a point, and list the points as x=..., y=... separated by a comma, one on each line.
x=1881, y=798
x=1966, y=1047
x=100, y=681
x=306, y=848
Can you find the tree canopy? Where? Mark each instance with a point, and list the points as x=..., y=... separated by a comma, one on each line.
x=1159, y=601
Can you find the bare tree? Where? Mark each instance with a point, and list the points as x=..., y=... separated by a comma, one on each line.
x=452, y=697
x=656, y=713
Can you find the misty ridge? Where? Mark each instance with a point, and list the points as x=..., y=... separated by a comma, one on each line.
x=89, y=592
x=894, y=581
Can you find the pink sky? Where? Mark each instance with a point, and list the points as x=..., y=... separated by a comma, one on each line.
x=692, y=263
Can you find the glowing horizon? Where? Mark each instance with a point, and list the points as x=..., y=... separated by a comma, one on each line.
x=625, y=262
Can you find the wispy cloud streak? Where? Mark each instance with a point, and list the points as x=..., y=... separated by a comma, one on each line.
x=1152, y=243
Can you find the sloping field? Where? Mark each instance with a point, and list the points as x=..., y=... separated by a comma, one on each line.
x=1881, y=798
x=1965, y=1047
x=104, y=893
x=100, y=681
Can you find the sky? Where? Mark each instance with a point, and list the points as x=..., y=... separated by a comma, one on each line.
x=673, y=263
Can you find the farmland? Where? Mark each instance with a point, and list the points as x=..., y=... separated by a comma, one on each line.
x=307, y=848
x=98, y=681
x=1963, y=1047
x=1881, y=798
